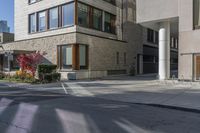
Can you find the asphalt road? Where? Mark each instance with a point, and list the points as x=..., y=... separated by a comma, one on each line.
x=27, y=111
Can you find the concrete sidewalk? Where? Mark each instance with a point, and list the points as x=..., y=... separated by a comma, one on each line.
x=128, y=89
x=167, y=93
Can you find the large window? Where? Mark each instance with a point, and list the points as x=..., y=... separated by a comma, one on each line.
x=83, y=56
x=66, y=57
x=83, y=15
x=42, y=21
x=64, y=16
x=61, y=16
x=97, y=19
x=68, y=14
x=196, y=15
x=32, y=21
x=53, y=18
x=73, y=56
x=109, y=23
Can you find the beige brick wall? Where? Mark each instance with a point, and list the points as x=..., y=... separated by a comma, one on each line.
x=47, y=44
x=23, y=9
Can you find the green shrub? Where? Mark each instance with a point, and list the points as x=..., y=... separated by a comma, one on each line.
x=47, y=73
x=56, y=76
x=48, y=78
x=47, y=68
x=2, y=75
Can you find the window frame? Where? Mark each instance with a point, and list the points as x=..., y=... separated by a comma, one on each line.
x=75, y=17
x=46, y=21
x=75, y=57
x=49, y=22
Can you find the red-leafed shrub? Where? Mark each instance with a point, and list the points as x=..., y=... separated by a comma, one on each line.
x=29, y=62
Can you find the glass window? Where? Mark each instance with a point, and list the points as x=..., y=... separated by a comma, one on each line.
x=42, y=21
x=68, y=14
x=32, y=1
x=156, y=37
x=66, y=53
x=196, y=15
x=117, y=58
x=125, y=58
x=53, y=18
x=82, y=54
x=32, y=23
x=97, y=19
x=150, y=35
x=83, y=15
x=66, y=57
x=109, y=24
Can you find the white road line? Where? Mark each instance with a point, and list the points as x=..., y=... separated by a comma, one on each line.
x=78, y=90
x=63, y=86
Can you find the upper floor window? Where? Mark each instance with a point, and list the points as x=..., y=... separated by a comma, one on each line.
x=64, y=15
x=53, y=18
x=68, y=14
x=32, y=23
x=32, y=1
x=109, y=23
x=83, y=15
x=196, y=11
x=111, y=1
x=97, y=19
x=42, y=21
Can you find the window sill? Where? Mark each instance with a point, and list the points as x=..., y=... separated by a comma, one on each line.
x=53, y=29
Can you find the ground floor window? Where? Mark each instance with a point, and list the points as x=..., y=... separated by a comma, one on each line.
x=9, y=64
x=73, y=56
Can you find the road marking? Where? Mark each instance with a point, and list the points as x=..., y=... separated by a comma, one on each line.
x=63, y=86
x=78, y=90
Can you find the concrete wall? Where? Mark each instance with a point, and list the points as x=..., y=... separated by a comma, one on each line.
x=151, y=10
x=189, y=40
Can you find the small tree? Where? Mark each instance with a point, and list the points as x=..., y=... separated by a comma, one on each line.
x=29, y=62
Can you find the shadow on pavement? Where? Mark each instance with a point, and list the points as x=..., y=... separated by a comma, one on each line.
x=26, y=111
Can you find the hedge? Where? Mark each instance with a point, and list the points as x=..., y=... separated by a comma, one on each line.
x=47, y=73
x=47, y=68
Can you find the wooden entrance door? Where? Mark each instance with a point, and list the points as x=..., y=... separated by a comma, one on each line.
x=197, y=67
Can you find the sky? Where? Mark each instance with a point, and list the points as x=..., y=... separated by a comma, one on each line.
x=7, y=12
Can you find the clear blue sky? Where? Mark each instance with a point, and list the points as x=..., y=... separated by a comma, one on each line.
x=7, y=12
